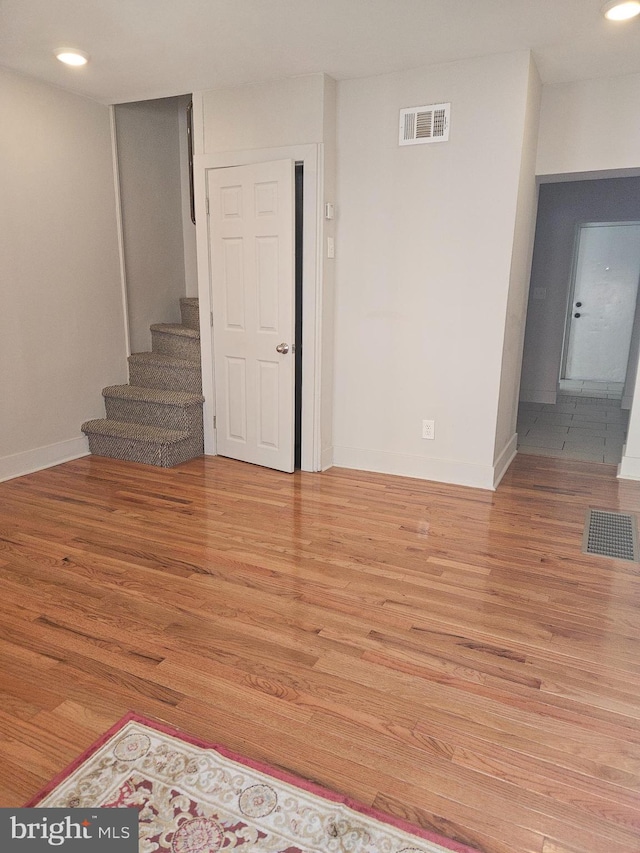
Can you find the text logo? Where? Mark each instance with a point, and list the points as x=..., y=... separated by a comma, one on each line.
x=36, y=830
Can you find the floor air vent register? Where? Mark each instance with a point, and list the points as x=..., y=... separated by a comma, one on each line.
x=610, y=534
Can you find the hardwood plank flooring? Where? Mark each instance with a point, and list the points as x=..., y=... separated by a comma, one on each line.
x=441, y=653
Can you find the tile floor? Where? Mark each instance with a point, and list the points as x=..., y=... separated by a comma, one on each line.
x=588, y=388
x=578, y=426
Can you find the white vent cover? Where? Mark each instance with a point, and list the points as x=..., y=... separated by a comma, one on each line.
x=424, y=124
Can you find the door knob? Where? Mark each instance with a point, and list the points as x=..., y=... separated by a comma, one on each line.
x=283, y=348
x=577, y=314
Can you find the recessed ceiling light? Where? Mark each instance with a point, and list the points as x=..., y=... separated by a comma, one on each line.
x=71, y=56
x=621, y=10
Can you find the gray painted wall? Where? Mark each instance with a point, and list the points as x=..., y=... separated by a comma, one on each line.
x=149, y=165
x=561, y=208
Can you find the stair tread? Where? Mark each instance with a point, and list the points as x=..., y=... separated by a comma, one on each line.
x=176, y=329
x=136, y=431
x=168, y=360
x=152, y=395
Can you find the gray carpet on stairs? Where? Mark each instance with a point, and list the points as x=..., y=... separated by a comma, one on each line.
x=157, y=418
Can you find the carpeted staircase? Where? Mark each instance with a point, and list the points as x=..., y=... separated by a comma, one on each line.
x=157, y=417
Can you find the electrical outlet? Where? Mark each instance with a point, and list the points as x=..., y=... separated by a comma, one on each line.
x=429, y=429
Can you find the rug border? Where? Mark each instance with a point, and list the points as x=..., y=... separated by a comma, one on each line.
x=283, y=775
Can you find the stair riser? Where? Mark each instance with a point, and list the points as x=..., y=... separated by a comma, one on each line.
x=149, y=376
x=159, y=429
x=161, y=455
x=190, y=315
x=142, y=412
x=175, y=345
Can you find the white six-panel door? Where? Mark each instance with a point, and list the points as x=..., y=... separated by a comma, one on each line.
x=251, y=240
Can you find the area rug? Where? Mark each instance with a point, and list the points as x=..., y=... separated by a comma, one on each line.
x=194, y=797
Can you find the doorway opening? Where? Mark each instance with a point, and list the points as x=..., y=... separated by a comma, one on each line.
x=576, y=386
x=157, y=232
x=309, y=328
x=601, y=309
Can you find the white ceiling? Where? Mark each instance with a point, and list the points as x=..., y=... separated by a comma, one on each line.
x=156, y=48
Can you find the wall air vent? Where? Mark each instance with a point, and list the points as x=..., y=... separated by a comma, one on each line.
x=424, y=124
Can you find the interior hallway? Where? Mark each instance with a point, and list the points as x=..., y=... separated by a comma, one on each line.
x=586, y=423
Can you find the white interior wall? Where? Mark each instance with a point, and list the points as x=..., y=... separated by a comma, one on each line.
x=632, y=366
x=328, y=273
x=263, y=116
x=629, y=467
x=590, y=126
x=506, y=437
x=152, y=204
x=62, y=330
x=562, y=207
x=424, y=253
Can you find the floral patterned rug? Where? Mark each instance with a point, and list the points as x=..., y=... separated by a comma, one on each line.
x=193, y=797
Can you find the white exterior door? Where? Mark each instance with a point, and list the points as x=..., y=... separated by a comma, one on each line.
x=604, y=302
x=251, y=240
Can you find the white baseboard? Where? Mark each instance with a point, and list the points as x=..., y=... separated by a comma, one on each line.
x=629, y=467
x=42, y=457
x=420, y=467
x=501, y=465
x=326, y=458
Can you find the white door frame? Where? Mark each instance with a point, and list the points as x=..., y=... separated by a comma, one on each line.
x=311, y=158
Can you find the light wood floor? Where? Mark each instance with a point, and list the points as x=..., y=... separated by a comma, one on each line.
x=445, y=654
